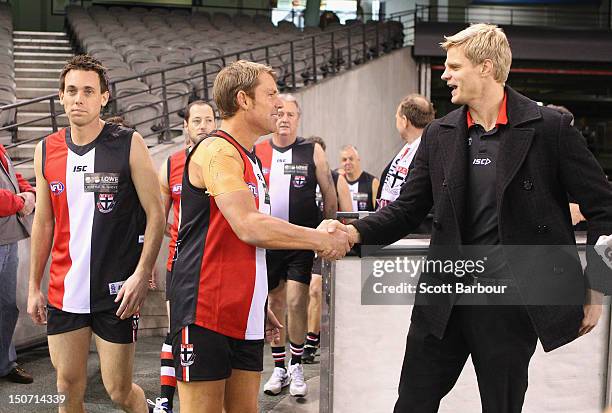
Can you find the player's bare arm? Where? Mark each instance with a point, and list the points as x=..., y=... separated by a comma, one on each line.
x=344, y=195
x=375, y=185
x=134, y=290
x=42, y=240
x=223, y=180
x=166, y=195
x=326, y=182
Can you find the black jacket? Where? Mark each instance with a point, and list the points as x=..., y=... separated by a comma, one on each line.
x=540, y=161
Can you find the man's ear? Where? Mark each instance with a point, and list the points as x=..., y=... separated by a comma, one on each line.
x=243, y=100
x=61, y=97
x=486, y=68
x=105, y=97
x=406, y=122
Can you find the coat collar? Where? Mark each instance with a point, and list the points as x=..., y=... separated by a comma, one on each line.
x=516, y=140
x=520, y=110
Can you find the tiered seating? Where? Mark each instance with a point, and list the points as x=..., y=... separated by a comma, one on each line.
x=136, y=42
x=7, y=65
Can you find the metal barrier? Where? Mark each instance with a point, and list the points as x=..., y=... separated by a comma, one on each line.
x=363, y=375
x=297, y=62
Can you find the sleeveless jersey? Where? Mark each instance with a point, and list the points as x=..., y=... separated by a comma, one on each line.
x=175, y=166
x=290, y=174
x=361, y=192
x=99, y=222
x=218, y=281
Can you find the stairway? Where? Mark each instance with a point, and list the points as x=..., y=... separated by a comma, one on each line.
x=39, y=58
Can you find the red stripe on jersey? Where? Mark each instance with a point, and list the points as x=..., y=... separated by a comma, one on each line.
x=226, y=280
x=264, y=153
x=166, y=355
x=56, y=155
x=175, y=180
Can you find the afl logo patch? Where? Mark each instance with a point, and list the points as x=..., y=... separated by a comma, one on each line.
x=253, y=189
x=187, y=355
x=176, y=189
x=106, y=203
x=56, y=187
x=299, y=181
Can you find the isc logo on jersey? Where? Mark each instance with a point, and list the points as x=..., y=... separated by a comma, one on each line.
x=253, y=189
x=482, y=161
x=56, y=187
x=176, y=189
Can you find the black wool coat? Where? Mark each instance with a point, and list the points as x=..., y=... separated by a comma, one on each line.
x=541, y=161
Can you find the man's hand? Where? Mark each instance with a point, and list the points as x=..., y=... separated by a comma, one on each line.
x=132, y=294
x=332, y=225
x=28, y=204
x=592, y=311
x=337, y=243
x=37, y=307
x=273, y=327
x=153, y=279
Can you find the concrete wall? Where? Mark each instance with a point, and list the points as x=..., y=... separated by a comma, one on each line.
x=359, y=107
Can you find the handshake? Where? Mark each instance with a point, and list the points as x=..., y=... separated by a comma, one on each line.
x=337, y=239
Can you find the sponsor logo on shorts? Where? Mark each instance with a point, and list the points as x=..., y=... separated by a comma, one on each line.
x=106, y=203
x=56, y=187
x=113, y=288
x=135, y=321
x=187, y=355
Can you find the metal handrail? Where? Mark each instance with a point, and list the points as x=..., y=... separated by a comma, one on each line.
x=366, y=36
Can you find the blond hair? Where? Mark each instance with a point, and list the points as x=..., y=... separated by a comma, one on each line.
x=239, y=76
x=484, y=41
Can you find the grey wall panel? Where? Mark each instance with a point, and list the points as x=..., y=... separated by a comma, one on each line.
x=358, y=107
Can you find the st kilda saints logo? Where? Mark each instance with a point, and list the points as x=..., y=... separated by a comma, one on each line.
x=299, y=181
x=187, y=355
x=106, y=203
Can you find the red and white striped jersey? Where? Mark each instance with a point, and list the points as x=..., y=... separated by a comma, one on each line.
x=99, y=222
x=218, y=281
x=175, y=165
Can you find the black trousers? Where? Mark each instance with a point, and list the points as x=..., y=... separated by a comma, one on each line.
x=501, y=341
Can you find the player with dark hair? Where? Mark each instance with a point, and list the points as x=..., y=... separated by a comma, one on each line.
x=99, y=215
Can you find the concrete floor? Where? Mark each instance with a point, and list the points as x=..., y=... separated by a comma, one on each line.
x=146, y=374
